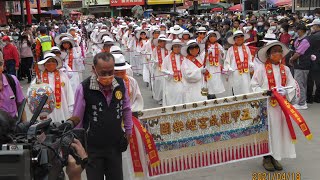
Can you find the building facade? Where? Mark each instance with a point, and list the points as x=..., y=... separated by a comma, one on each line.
x=304, y=5
x=98, y=8
x=123, y=7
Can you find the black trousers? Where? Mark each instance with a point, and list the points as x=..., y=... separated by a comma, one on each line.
x=26, y=64
x=107, y=163
x=313, y=78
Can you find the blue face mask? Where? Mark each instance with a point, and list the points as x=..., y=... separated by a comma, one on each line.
x=291, y=33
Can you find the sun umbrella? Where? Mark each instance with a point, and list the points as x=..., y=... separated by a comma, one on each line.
x=237, y=7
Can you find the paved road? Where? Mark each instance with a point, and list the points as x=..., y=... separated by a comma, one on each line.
x=308, y=152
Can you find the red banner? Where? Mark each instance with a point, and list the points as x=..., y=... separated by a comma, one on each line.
x=135, y=155
x=148, y=143
x=289, y=110
x=126, y=2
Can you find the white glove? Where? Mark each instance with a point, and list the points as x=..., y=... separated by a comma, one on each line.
x=203, y=70
x=211, y=49
x=281, y=91
x=168, y=73
x=251, y=65
x=227, y=71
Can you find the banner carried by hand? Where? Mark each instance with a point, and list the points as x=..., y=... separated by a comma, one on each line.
x=206, y=134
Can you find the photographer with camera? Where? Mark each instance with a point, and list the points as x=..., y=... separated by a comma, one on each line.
x=101, y=104
x=73, y=169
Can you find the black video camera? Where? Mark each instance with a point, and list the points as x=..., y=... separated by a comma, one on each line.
x=36, y=150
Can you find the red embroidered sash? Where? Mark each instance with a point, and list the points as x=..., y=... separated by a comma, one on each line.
x=177, y=75
x=207, y=75
x=57, y=86
x=214, y=60
x=70, y=62
x=160, y=60
x=242, y=66
x=126, y=80
x=272, y=82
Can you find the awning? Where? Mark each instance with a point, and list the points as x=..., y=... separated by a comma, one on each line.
x=237, y=7
x=53, y=12
x=211, y=6
x=216, y=9
x=283, y=3
x=99, y=9
x=33, y=11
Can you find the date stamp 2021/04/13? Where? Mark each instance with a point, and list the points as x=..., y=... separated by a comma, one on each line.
x=276, y=176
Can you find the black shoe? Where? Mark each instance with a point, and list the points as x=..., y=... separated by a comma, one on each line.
x=310, y=101
x=317, y=100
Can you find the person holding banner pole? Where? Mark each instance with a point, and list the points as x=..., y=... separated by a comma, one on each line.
x=159, y=53
x=173, y=90
x=149, y=47
x=238, y=63
x=212, y=57
x=142, y=39
x=274, y=75
x=193, y=72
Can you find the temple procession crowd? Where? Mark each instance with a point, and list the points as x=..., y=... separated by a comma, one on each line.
x=181, y=60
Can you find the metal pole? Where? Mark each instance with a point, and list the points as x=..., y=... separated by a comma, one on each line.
x=174, y=6
x=309, y=12
x=22, y=12
x=294, y=6
x=195, y=6
x=28, y=12
x=243, y=4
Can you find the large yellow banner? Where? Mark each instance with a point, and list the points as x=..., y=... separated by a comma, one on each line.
x=206, y=134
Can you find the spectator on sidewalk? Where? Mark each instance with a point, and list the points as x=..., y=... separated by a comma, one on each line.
x=26, y=56
x=301, y=62
x=10, y=56
x=314, y=74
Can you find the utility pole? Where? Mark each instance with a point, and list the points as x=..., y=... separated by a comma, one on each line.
x=22, y=12
x=195, y=6
x=309, y=12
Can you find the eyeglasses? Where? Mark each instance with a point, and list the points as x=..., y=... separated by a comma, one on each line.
x=203, y=33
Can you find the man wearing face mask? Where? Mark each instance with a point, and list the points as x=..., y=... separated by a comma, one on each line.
x=314, y=73
x=102, y=103
x=11, y=95
x=301, y=62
